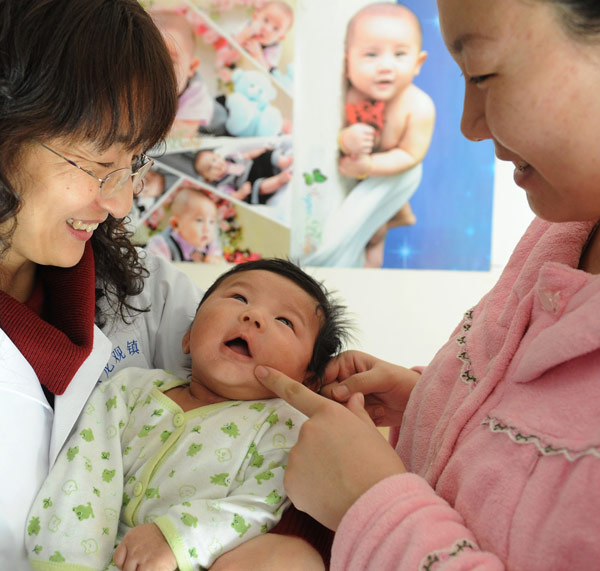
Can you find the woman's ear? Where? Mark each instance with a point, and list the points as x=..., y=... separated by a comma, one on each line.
x=185, y=343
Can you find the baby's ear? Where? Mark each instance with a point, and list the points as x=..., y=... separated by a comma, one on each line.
x=312, y=381
x=185, y=343
x=420, y=61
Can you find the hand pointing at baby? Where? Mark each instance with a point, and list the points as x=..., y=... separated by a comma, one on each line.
x=340, y=453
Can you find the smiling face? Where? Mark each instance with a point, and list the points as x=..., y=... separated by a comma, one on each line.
x=533, y=90
x=252, y=318
x=210, y=165
x=61, y=204
x=383, y=53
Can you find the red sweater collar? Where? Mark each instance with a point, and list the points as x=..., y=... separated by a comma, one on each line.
x=58, y=341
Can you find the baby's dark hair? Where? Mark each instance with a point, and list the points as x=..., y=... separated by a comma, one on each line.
x=334, y=332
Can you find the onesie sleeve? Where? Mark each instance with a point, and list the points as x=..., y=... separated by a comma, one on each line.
x=74, y=519
x=201, y=530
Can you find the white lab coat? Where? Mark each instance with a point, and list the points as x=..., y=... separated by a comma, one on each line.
x=32, y=433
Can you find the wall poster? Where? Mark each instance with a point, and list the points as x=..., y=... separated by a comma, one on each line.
x=326, y=132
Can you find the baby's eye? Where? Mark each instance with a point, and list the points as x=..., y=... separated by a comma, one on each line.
x=400, y=54
x=239, y=297
x=286, y=321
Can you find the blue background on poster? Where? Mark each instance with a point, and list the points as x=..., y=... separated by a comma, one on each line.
x=453, y=204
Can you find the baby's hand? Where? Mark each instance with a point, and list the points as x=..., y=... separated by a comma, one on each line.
x=144, y=548
x=242, y=192
x=248, y=33
x=355, y=166
x=254, y=27
x=254, y=48
x=357, y=139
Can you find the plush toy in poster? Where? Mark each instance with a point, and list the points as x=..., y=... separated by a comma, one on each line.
x=286, y=79
x=250, y=113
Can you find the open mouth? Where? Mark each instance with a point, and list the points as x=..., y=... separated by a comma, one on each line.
x=239, y=346
x=78, y=225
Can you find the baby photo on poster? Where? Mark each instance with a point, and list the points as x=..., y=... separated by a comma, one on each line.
x=400, y=189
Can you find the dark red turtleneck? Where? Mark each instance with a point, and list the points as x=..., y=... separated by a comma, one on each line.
x=54, y=329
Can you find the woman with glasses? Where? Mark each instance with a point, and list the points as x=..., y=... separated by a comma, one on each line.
x=87, y=88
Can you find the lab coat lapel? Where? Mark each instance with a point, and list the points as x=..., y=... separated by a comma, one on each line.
x=68, y=406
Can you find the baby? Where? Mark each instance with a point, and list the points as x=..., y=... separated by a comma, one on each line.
x=262, y=36
x=177, y=472
x=144, y=201
x=192, y=234
x=196, y=108
x=253, y=176
x=389, y=119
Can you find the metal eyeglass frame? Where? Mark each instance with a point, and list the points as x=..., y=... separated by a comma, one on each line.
x=140, y=172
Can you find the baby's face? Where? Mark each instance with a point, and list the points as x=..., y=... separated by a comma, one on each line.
x=211, y=166
x=273, y=23
x=154, y=184
x=179, y=39
x=197, y=223
x=383, y=55
x=253, y=318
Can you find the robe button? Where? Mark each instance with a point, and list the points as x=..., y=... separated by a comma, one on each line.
x=550, y=301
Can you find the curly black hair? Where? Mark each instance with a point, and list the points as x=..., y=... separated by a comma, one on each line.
x=83, y=70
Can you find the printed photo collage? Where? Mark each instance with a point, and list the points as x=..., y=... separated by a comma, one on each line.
x=220, y=189
x=323, y=132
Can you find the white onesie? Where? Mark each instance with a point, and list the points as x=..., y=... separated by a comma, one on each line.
x=210, y=478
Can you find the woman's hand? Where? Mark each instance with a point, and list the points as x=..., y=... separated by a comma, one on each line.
x=386, y=387
x=340, y=453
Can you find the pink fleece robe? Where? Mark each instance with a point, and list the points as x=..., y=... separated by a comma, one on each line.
x=501, y=435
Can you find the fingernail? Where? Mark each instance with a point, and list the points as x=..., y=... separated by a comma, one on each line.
x=261, y=372
x=341, y=392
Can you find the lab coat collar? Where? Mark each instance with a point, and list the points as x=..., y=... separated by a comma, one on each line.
x=68, y=406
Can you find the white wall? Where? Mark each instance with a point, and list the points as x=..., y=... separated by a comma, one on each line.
x=404, y=316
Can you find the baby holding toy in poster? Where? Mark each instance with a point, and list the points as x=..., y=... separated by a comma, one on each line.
x=389, y=119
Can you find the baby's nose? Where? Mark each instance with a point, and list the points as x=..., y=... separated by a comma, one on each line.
x=253, y=318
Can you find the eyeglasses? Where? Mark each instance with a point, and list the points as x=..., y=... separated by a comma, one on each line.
x=116, y=179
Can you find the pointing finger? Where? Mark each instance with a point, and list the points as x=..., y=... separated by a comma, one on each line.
x=293, y=392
